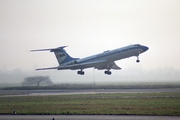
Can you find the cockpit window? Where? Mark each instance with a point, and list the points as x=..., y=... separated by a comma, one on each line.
x=138, y=45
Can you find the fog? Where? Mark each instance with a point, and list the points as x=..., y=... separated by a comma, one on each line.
x=126, y=76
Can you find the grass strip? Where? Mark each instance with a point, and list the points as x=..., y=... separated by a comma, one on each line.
x=95, y=104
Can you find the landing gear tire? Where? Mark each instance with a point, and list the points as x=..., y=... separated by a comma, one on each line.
x=107, y=72
x=80, y=72
x=137, y=61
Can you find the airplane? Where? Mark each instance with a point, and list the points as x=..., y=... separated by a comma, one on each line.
x=100, y=61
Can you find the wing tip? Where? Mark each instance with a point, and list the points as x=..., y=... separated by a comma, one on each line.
x=39, y=69
x=46, y=68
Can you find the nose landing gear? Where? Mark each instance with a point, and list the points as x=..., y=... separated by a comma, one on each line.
x=137, y=59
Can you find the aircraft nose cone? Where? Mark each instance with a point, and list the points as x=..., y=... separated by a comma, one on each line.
x=145, y=48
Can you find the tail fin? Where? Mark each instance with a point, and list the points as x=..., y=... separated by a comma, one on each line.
x=61, y=55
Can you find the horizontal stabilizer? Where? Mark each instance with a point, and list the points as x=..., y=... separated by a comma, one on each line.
x=51, y=49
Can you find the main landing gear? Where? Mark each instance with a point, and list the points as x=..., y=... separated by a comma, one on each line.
x=107, y=72
x=137, y=59
x=80, y=72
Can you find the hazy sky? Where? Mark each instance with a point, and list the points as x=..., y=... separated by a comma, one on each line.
x=89, y=27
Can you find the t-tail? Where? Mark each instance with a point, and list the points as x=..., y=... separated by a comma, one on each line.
x=61, y=55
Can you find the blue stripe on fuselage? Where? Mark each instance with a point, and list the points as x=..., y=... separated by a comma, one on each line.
x=109, y=53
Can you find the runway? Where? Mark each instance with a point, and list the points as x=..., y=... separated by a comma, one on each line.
x=11, y=93
x=86, y=117
x=8, y=93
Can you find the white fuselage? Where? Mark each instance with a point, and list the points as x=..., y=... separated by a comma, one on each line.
x=100, y=61
x=112, y=55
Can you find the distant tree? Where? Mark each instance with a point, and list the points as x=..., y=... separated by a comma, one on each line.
x=37, y=81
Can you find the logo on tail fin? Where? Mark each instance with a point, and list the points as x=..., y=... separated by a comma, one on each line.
x=61, y=56
x=60, y=53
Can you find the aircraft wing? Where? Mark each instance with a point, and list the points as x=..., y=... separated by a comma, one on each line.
x=76, y=66
x=115, y=67
x=100, y=65
x=82, y=65
x=109, y=66
x=47, y=68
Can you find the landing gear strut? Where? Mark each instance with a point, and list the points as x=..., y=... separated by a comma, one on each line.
x=107, y=72
x=137, y=59
x=80, y=72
